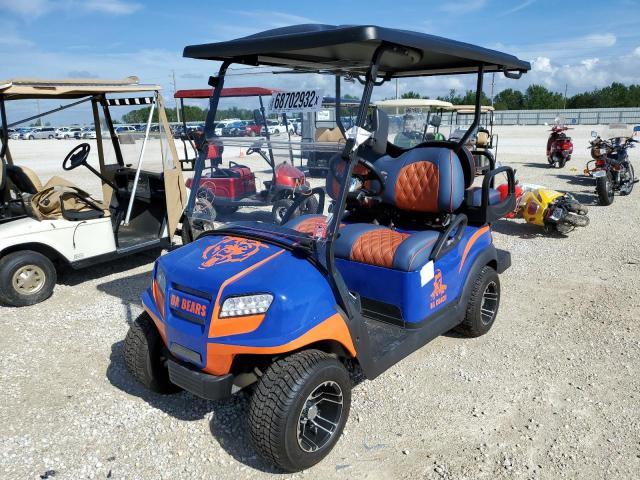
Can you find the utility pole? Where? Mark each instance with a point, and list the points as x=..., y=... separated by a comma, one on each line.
x=565, y=96
x=396, y=88
x=175, y=89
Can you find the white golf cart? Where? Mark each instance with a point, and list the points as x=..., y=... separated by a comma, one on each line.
x=57, y=223
x=483, y=143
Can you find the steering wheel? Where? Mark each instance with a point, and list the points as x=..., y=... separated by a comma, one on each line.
x=76, y=157
x=372, y=174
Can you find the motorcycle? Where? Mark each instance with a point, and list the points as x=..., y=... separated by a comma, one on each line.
x=556, y=212
x=611, y=167
x=559, y=146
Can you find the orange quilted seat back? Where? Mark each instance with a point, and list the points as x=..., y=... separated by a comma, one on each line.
x=417, y=187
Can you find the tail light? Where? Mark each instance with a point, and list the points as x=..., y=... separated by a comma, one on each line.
x=600, y=163
x=567, y=145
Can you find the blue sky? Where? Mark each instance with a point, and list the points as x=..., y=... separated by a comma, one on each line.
x=582, y=44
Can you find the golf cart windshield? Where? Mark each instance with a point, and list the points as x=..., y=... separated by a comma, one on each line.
x=413, y=121
x=305, y=61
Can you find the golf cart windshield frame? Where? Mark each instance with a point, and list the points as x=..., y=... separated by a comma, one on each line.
x=385, y=53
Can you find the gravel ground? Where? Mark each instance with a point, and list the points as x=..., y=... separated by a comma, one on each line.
x=551, y=392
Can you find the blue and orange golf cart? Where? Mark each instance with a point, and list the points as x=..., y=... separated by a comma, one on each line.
x=298, y=310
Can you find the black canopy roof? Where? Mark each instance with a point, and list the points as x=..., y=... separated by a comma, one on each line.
x=349, y=48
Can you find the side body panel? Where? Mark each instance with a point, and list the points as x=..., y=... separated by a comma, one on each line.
x=72, y=240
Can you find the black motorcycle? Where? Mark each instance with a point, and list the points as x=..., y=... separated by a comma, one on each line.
x=611, y=167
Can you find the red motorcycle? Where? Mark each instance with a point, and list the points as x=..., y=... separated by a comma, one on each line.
x=559, y=146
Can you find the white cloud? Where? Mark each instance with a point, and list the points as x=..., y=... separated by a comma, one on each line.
x=11, y=40
x=35, y=8
x=590, y=63
x=542, y=64
x=113, y=7
x=636, y=52
x=26, y=8
x=598, y=40
x=518, y=7
x=463, y=6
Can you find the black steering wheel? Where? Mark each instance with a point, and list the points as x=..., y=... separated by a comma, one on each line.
x=372, y=173
x=76, y=157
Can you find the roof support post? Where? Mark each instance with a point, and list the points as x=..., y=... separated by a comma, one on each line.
x=477, y=111
x=350, y=157
x=5, y=129
x=209, y=132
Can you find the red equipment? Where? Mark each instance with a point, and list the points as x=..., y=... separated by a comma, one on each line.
x=235, y=186
x=559, y=146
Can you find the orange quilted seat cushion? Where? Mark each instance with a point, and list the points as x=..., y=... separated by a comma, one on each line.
x=310, y=225
x=417, y=187
x=377, y=247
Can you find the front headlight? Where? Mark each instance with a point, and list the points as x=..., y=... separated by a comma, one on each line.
x=246, y=305
x=159, y=290
x=161, y=280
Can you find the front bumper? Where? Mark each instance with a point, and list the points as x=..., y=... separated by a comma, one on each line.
x=504, y=260
x=204, y=385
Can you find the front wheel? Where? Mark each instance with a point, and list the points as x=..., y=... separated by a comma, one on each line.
x=483, y=304
x=26, y=278
x=604, y=189
x=145, y=356
x=280, y=209
x=299, y=409
x=630, y=182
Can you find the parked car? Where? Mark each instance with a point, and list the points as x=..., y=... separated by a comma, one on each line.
x=125, y=129
x=40, y=133
x=62, y=133
x=220, y=125
x=275, y=128
x=89, y=133
x=18, y=133
x=80, y=134
x=252, y=129
x=234, y=129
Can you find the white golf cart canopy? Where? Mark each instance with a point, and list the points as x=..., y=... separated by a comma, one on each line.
x=31, y=88
x=414, y=103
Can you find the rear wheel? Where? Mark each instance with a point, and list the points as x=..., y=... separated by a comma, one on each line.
x=146, y=355
x=483, y=304
x=604, y=189
x=26, y=278
x=299, y=409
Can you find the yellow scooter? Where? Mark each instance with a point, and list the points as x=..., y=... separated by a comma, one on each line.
x=554, y=211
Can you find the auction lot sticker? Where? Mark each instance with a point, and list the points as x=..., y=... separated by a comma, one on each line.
x=298, y=101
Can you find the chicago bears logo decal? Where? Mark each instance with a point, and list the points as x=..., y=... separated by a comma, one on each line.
x=230, y=250
x=439, y=295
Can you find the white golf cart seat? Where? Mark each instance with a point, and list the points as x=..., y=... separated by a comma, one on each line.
x=27, y=182
x=24, y=179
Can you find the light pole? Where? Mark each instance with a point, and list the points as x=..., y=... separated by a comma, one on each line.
x=175, y=89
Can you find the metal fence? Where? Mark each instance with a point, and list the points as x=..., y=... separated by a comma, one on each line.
x=584, y=116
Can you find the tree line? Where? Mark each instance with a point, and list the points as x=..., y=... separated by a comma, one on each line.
x=191, y=113
x=535, y=97
x=538, y=97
